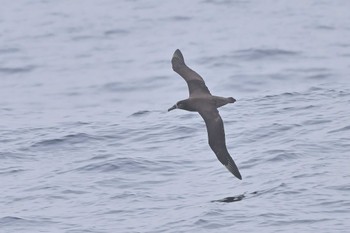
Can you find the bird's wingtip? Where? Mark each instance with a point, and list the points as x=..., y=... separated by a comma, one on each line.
x=237, y=174
x=234, y=170
x=177, y=59
x=177, y=53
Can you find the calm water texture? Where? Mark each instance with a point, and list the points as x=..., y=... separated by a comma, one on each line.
x=87, y=144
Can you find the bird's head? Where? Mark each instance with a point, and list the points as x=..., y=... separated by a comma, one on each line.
x=180, y=105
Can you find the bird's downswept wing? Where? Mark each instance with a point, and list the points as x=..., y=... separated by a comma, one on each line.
x=216, y=136
x=195, y=82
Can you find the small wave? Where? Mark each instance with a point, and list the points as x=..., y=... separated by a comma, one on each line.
x=316, y=122
x=225, y=2
x=309, y=70
x=15, y=221
x=129, y=87
x=119, y=87
x=116, y=32
x=70, y=191
x=281, y=155
x=128, y=165
x=9, y=50
x=68, y=139
x=249, y=55
x=10, y=219
x=15, y=70
x=344, y=187
x=12, y=155
x=319, y=76
x=125, y=164
x=16, y=224
x=285, y=94
x=340, y=129
x=83, y=37
x=11, y=170
x=140, y=113
x=325, y=27
x=180, y=18
x=257, y=54
x=100, y=167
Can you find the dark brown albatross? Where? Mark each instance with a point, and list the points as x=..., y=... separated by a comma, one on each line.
x=201, y=101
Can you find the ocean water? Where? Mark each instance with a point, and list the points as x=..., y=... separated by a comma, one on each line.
x=87, y=144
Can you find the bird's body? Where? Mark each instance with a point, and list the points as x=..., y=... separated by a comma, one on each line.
x=201, y=101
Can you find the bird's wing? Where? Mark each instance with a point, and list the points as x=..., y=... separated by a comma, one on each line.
x=216, y=136
x=195, y=82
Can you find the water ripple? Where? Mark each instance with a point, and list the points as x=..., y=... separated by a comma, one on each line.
x=15, y=70
x=258, y=54
x=345, y=128
x=117, y=31
x=70, y=139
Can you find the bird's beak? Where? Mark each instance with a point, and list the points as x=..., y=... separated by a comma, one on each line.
x=172, y=108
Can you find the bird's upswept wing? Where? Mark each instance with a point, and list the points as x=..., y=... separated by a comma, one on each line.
x=195, y=82
x=216, y=136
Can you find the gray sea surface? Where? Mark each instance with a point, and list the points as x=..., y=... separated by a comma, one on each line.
x=87, y=144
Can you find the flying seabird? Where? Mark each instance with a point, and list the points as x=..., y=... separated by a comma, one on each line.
x=201, y=101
